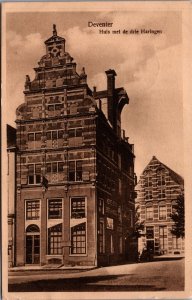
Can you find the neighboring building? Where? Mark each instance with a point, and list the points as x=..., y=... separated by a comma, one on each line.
x=157, y=191
x=75, y=168
x=11, y=149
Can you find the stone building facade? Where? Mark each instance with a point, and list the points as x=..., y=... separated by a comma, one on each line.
x=157, y=191
x=75, y=167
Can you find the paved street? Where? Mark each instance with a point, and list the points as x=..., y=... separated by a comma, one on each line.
x=165, y=275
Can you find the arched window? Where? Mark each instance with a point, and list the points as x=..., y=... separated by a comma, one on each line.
x=32, y=228
x=162, y=210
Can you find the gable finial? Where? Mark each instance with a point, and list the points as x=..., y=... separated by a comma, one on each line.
x=54, y=30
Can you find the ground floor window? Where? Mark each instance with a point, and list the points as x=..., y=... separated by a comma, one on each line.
x=163, y=237
x=78, y=239
x=176, y=242
x=101, y=237
x=54, y=239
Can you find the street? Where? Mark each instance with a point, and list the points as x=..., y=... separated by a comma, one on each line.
x=162, y=275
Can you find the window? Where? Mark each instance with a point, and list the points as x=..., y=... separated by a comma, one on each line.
x=174, y=206
x=176, y=242
x=78, y=208
x=32, y=209
x=75, y=170
x=148, y=181
x=163, y=237
x=55, y=167
x=55, y=209
x=162, y=194
x=148, y=195
x=78, y=239
x=101, y=206
x=162, y=211
x=149, y=212
x=149, y=232
x=54, y=134
x=34, y=140
x=34, y=174
x=76, y=132
x=110, y=224
x=101, y=237
x=54, y=239
x=161, y=180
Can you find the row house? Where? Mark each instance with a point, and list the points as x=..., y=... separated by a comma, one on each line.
x=157, y=191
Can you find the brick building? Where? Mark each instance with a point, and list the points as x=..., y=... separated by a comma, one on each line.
x=11, y=159
x=157, y=191
x=75, y=167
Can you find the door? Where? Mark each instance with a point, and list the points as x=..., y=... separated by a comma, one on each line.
x=33, y=249
x=150, y=246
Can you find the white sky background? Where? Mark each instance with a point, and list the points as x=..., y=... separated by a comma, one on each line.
x=148, y=66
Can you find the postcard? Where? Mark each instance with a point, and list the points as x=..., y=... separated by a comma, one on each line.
x=96, y=139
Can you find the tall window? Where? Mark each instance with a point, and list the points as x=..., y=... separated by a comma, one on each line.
x=148, y=195
x=54, y=239
x=162, y=210
x=75, y=170
x=34, y=174
x=101, y=237
x=163, y=237
x=149, y=211
x=78, y=208
x=55, y=209
x=78, y=239
x=32, y=209
x=148, y=181
x=101, y=206
x=161, y=178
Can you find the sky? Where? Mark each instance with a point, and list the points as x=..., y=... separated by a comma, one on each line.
x=148, y=66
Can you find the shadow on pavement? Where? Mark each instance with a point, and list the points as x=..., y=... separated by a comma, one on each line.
x=80, y=284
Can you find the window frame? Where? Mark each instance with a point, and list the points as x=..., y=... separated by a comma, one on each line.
x=36, y=176
x=60, y=214
x=149, y=206
x=163, y=212
x=37, y=210
x=75, y=175
x=55, y=240
x=85, y=207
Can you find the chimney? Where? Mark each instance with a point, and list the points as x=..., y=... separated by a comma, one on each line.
x=110, y=95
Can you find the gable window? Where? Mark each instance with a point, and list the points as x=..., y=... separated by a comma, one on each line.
x=34, y=140
x=75, y=170
x=32, y=209
x=54, y=239
x=77, y=207
x=55, y=209
x=34, y=174
x=148, y=181
x=162, y=210
x=162, y=193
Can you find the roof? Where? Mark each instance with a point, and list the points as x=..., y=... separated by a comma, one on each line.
x=176, y=177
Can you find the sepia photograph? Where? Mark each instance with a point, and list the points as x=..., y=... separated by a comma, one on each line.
x=94, y=201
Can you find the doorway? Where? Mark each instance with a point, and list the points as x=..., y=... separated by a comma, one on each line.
x=32, y=245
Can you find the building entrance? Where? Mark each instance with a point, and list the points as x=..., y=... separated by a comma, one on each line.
x=32, y=245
